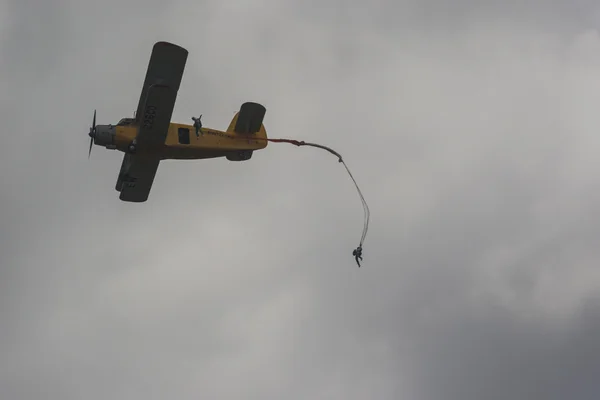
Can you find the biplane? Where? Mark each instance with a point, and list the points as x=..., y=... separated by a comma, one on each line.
x=150, y=136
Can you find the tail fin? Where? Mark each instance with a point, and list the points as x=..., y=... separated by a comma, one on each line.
x=249, y=119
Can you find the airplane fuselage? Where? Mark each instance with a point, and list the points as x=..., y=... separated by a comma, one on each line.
x=181, y=142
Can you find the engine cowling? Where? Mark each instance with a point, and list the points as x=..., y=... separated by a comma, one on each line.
x=105, y=136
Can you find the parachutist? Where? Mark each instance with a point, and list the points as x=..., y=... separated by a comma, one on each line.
x=357, y=253
x=197, y=125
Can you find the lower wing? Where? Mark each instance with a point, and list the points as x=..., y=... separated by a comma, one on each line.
x=136, y=177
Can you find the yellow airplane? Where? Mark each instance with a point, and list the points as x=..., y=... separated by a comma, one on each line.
x=151, y=136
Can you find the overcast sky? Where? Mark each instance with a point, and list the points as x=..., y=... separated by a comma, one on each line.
x=471, y=126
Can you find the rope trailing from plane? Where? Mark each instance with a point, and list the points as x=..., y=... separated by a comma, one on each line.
x=357, y=253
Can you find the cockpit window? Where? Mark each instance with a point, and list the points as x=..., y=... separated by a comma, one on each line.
x=125, y=121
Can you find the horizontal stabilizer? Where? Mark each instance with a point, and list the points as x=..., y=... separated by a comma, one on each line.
x=249, y=119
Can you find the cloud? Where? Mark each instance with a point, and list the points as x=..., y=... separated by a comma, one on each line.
x=474, y=140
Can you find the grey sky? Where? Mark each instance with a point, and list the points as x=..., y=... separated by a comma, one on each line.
x=472, y=129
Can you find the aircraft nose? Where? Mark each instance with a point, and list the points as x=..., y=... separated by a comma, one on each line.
x=103, y=135
x=98, y=132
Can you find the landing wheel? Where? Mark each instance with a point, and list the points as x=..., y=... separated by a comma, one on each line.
x=131, y=148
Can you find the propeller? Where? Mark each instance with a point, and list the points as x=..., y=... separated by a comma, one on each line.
x=92, y=133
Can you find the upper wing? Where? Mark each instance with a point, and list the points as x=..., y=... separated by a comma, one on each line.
x=153, y=116
x=166, y=66
x=139, y=175
x=159, y=93
x=158, y=109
